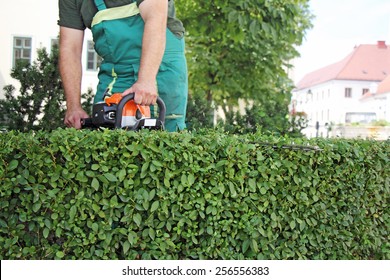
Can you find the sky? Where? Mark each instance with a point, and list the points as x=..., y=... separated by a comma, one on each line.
x=339, y=26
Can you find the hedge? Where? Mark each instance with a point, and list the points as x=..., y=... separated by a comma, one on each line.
x=108, y=194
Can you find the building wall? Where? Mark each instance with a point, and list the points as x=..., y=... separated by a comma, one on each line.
x=327, y=104
x=379, y=103
x=36, y=19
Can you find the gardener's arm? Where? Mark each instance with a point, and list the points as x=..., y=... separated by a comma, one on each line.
x=154, y=13
x=71, y=45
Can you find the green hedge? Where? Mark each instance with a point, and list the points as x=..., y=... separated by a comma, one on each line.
x=155, y=195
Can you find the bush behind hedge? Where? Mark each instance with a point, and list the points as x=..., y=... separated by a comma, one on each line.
x=155, y=195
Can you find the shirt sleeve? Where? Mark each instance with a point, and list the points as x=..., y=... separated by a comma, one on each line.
x=70, y=14
x=140, y=1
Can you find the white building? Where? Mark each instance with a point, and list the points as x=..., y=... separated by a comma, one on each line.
x=378, y=100
x=27, y=25
x=333, y=95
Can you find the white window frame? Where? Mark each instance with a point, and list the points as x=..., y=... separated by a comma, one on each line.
x=22, y=51
x=93, y=59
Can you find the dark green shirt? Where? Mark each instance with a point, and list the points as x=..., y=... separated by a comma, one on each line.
x=78, y=14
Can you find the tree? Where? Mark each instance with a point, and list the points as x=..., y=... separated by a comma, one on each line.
x=242, y=49
x=40, y=103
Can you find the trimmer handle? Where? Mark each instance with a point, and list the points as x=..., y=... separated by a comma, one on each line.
x=127, y=98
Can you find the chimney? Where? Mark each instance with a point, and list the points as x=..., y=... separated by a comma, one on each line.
x=381, y=45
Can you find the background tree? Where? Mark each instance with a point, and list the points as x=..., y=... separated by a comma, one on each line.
x=242, y=49
x=40, y=103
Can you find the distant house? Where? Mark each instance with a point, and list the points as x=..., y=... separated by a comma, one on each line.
x=333, y=95
x=29, y=25
x=378, y=100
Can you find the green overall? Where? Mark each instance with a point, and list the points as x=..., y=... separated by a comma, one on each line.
x=117, y=33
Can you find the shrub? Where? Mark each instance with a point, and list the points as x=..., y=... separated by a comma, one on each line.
x=107, y=194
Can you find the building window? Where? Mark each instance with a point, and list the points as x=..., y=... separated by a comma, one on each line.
x=93, y=59
x=357, y=117
x=348, y=93
x=22, y=50
x=364, y=91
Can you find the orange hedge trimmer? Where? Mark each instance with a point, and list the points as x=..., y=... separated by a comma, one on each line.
x=119, y=111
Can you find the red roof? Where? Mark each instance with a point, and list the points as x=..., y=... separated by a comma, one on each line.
x=365, y=63
x=384, y=86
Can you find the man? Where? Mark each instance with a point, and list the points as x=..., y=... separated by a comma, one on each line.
x=142, y=50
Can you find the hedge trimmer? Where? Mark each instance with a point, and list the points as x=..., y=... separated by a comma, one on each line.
x=119, y=111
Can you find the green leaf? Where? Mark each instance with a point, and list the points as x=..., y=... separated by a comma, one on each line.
x=36, y=207
x=122, y=175
x=95, y=227
x=155, y=206
x=232, y=189
x=95, y=184
x=126, y=246
x=252, y=184
x=184, y=180
x=245, y=246
x=95, y=166
x=132, y=237
x=137, y=219
x=254, y=246
x=152, y=194
x=46, y=232
x=48, y=223
x=60, y=254
x=3, y=224
x=80, y=195
x=157, y=163
x=72, y=212
x=152, y=233
x=110, y=177
x=13, y=165
x=81, y=177
x=191, y=179
x=292, y=224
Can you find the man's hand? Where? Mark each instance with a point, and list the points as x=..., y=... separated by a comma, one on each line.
x=73, y=117
x=145, y=93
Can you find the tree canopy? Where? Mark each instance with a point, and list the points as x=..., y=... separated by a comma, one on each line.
x=243, y=49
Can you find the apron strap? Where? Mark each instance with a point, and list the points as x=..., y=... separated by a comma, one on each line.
x=100, y=5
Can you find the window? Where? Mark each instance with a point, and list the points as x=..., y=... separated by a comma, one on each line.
x=93, y=59
x=357, y=117
x=364, y=91
x=22, y=50
x=348, y=93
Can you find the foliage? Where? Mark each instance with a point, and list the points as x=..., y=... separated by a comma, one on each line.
x=380, y=123
x=242, y=49
x=40, y=103
x=108, y=194
x=199, y=114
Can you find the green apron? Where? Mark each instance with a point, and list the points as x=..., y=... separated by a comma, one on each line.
x=117, y=33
